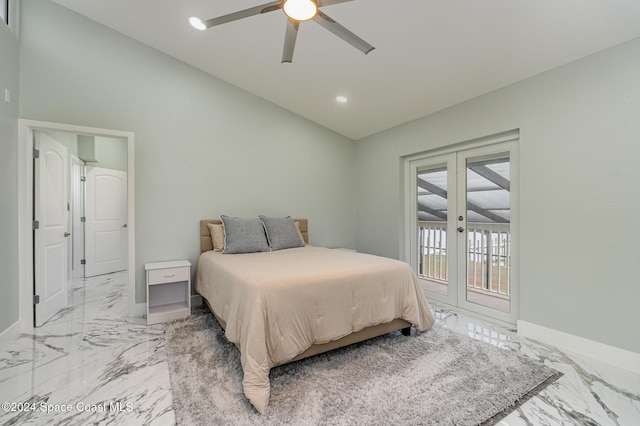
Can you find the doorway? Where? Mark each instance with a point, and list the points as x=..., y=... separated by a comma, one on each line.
x=27, y=132
x=461, y=228
x=81, y=213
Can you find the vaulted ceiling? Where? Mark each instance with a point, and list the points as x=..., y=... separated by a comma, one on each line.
x=429, y=54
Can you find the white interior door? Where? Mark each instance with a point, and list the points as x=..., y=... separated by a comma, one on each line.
x=106, y=221
x=51, y=236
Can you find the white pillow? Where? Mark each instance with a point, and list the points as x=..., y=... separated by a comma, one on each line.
x=300, y=233
x=217, y=236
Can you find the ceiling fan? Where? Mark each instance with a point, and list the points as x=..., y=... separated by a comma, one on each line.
x=297, y=11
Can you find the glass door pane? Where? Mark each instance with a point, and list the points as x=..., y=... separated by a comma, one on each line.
x=432, y=206
x=461, y=227
x=488, y=231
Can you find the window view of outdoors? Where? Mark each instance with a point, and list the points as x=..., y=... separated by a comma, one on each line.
x=487, y=227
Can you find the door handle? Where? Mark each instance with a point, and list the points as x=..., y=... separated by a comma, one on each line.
x=66, y=234
x=460, y=229
x=124, y=226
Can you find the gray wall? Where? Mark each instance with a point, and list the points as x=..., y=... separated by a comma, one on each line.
x=579, y=192
x=112, y=153
x=9, y=77
x=202, y=148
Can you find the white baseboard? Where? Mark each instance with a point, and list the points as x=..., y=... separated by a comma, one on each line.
x=10, y=334
x=581, y=346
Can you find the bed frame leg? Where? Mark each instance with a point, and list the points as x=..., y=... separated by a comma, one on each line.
x=406, y=331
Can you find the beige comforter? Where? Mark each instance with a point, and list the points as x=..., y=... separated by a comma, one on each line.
x=277, y=304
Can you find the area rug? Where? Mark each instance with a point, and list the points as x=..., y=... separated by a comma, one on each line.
x=434, y=378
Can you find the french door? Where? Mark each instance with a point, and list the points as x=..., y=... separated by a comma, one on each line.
x=460, y=227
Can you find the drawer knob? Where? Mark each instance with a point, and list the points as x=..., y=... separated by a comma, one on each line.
x=170, y=276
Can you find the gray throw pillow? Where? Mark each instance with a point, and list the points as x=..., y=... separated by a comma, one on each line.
x=243, y=235
x=281, y=232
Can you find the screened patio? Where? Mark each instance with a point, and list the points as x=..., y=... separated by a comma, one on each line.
x=488, y=245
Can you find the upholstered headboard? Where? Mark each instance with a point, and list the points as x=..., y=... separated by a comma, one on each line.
x=205, y=235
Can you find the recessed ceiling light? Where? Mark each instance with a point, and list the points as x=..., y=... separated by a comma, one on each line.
x=197, y=23
x=341, y=99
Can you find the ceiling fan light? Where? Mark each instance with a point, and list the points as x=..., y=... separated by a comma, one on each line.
x=197, y=23
x=300, y=10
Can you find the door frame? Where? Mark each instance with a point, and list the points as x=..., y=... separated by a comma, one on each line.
x=77, y=211
x=408, y=239
x=26, y=129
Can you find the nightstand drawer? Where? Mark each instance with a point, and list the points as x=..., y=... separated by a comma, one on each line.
x=168, y=275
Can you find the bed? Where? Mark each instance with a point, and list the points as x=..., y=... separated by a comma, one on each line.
x=284, y=305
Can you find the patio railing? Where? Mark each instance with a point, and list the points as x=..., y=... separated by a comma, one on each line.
x=488, y=255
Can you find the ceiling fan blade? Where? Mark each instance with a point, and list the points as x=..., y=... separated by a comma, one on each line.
x=323, y=3
x=268, y=7
x=290, y=37
x=329, y=24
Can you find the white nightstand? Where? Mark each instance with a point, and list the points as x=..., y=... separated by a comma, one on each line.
x=168, y=290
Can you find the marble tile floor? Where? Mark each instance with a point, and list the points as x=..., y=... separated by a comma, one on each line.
x=590, y=392
x=91, y=364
